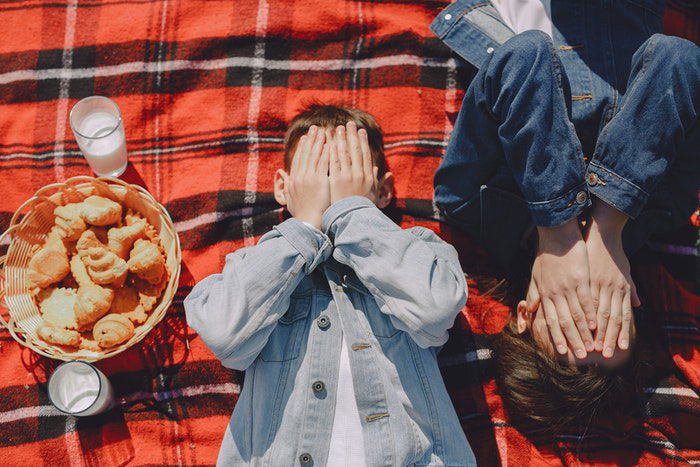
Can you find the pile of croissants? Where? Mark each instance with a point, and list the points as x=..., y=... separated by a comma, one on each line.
x=99, y=273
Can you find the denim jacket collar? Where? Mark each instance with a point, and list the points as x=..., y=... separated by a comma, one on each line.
x=475, y=43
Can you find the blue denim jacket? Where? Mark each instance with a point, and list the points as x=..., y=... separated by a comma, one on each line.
x=277, y=310
x=622, y=128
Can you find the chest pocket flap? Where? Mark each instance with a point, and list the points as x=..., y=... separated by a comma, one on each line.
x=285, y=341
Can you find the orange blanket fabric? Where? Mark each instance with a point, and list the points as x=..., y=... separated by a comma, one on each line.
x=206, y=89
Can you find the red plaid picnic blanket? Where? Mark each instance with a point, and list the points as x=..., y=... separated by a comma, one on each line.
x=206, y=89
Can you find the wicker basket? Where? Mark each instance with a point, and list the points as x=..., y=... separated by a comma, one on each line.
x=31, y=229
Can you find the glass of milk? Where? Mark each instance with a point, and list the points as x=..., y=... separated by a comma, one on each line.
x=98, y=128
x=79, y=389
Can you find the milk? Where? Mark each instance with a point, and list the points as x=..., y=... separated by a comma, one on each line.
x=80, y=389
x=104, y=147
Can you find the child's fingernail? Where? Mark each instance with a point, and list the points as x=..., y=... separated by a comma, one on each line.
x=623, y=344
x=561, y=348
x=589, y=346
x=608, y=352
x=580, y=353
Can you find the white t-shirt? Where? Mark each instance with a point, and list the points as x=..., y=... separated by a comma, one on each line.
x=347, y=447
x=523, y=15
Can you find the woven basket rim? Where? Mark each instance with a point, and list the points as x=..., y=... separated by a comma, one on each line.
x=28, y=338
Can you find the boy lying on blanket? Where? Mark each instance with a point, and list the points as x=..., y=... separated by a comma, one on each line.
x=559, y=127
x=337, y=315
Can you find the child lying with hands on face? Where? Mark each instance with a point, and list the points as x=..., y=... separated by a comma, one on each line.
x=337, y=315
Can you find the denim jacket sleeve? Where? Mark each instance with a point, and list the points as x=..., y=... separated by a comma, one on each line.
x=414, y=275
x=235, y=312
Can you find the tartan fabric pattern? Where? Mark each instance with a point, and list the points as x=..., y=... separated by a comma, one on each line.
x=206, y=89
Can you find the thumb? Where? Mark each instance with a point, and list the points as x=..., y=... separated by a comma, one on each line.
x=533, y=297
x=635, y=298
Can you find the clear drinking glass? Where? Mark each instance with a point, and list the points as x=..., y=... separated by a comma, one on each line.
x=98, y=128
x=78, y=388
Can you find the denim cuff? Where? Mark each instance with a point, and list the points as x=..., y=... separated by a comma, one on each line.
x=340, y=208
x=615, y=190
x=312, y=244
x=556, y=211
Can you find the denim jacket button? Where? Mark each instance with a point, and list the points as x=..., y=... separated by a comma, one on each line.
x=323, y=321
x=581, y=197
x=305, y=458
x=448, y=17
x=489, y=50
x=318, y=386
x=592, y=179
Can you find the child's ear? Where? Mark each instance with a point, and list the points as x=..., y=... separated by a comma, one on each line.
x=386, y=190
x=280, y=177
x=523, y=316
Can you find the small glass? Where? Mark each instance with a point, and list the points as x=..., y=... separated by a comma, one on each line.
x=98, y=128
x=78, y=388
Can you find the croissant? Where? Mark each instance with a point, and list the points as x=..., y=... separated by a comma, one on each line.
x=97, y=210
x=112, y=330
x=104, y=267
x=49, y=264
x=69, y=221
x=146, y=261
x=88, y=239
x=92, y=302
x=121, y=239
x=59, y=336
x=127, y=302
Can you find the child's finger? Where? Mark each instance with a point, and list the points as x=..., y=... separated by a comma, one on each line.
x=635, y=298
x=532, y=299
x=603, y=318
x=342, y=149
x=623, y=340
x=297, y=154
x=580, y=321
x=322, y=165
x=316, y=150
x=585, y=299
x=334, y=163
x=550, y=313
x=354, y=146
x=614, y=323
x=366, y=153
x=568, y=327
x=306, y=148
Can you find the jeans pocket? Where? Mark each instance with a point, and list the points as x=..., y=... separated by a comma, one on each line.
x=285, y=341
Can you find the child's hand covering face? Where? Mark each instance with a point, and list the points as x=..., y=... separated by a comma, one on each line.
x=351, y=171
x=306, y=188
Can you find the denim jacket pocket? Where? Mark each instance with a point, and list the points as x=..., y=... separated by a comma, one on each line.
x=285, y=340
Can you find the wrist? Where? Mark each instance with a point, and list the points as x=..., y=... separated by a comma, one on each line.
x=313, y=220
x=567, y=233
x=607, y=219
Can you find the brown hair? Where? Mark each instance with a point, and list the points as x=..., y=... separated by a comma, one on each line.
x=332, y=116
x=537, y=388
x=541, y=392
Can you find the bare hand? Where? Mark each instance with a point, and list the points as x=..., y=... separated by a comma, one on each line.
x=560, y=274
x=352, y=172
x=307, y=188
x=613, y=291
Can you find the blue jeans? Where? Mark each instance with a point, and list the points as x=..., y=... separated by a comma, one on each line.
x=517, y=154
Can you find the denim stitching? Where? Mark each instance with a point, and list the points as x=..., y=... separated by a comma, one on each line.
x=619, y=177
x=580, y=187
